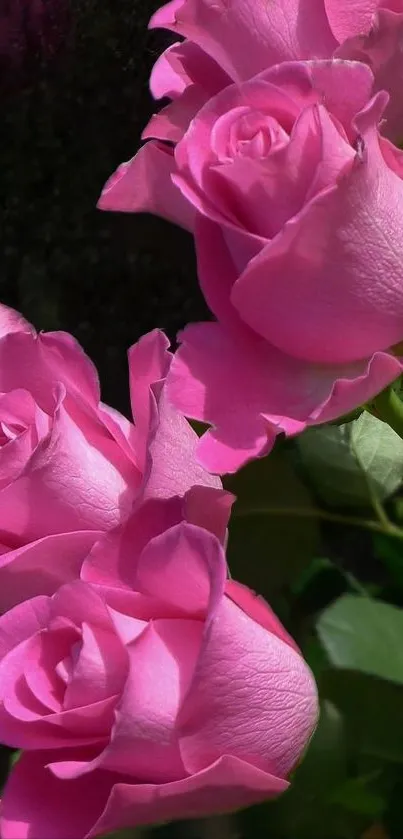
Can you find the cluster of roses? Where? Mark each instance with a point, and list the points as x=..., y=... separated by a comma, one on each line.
x=140, y=683
x=277, y=153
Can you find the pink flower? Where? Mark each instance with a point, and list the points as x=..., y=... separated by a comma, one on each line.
x=297, y=209
x=246, y=37
x=70, y=467
x=151, y=689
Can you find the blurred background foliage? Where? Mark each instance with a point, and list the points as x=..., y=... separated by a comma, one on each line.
x=318, y=527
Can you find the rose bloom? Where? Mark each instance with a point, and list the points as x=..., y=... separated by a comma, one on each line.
x=296, y=203
x=151, y=689
x=70, y=466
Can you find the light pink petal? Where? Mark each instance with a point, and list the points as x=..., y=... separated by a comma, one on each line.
x=249, y=676
x=251, y=392
x=69, y=364
x=113, y=559
x=171, y=123
x=38, y=363
x=352, y=18
x=100, y=669
x=144, y=184
x=12, y=321
x=340, y=263
x=209, y=508
x=149, y=362
x=173, y=467
x=221, y=255
x=77, y=478
x=41, y=567
x=36, y=805
x=165, y=441
x=182, y=64
x=324, y=82
x=167, y=77
x=78, y=602
x=249, y=36
x=229, y=784
x=359, y=384
x=195, y=151
x=380, y=48
x=190, y=554
x=22, y=621
x=162, y=661
x=256, y=608
x=215, y=380
x=124, y=433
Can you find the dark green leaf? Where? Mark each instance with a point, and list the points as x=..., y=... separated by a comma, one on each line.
x=372, y=710
x=274, y=532
x=332, y=467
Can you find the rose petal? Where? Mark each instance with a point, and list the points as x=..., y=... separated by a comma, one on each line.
x=144, y=184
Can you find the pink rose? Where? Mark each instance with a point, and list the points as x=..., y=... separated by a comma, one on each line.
x=70, y=467
x=298, y=206
x=120, y=687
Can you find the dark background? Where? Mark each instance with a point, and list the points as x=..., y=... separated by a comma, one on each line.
x=69, y=119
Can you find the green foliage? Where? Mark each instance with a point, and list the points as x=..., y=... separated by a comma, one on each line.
x=273, y=524
x=377, y=651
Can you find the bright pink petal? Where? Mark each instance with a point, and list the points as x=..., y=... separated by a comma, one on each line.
x=215, y=380
x=41, y=567
x=380, y=48
x=357, y=385
x=113, y=559
x=209, y=508
x=144, y=184
x=36, y=805
x=77, y=478
x=272, y=703
x=190, y=554
x=68, y=363
x=100, y=670
x=165, y=442
x=229, y=784
x=339, y=262
x=12, y=321
x=251, y=392
x=171, y=123
x=352, y=18
x=167, y=78
x=183, y=64
x=249, y=36
x=257, y=609
x=149, y=362
x=162, y=662
x=22, y=621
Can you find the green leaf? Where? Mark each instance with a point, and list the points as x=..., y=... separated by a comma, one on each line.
x=348, y=464
x=336, y=475
x=356, y=795
x=274, y=531
x=390, y=552
x=372, y=710
x=379, y=451
x=359, y=633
